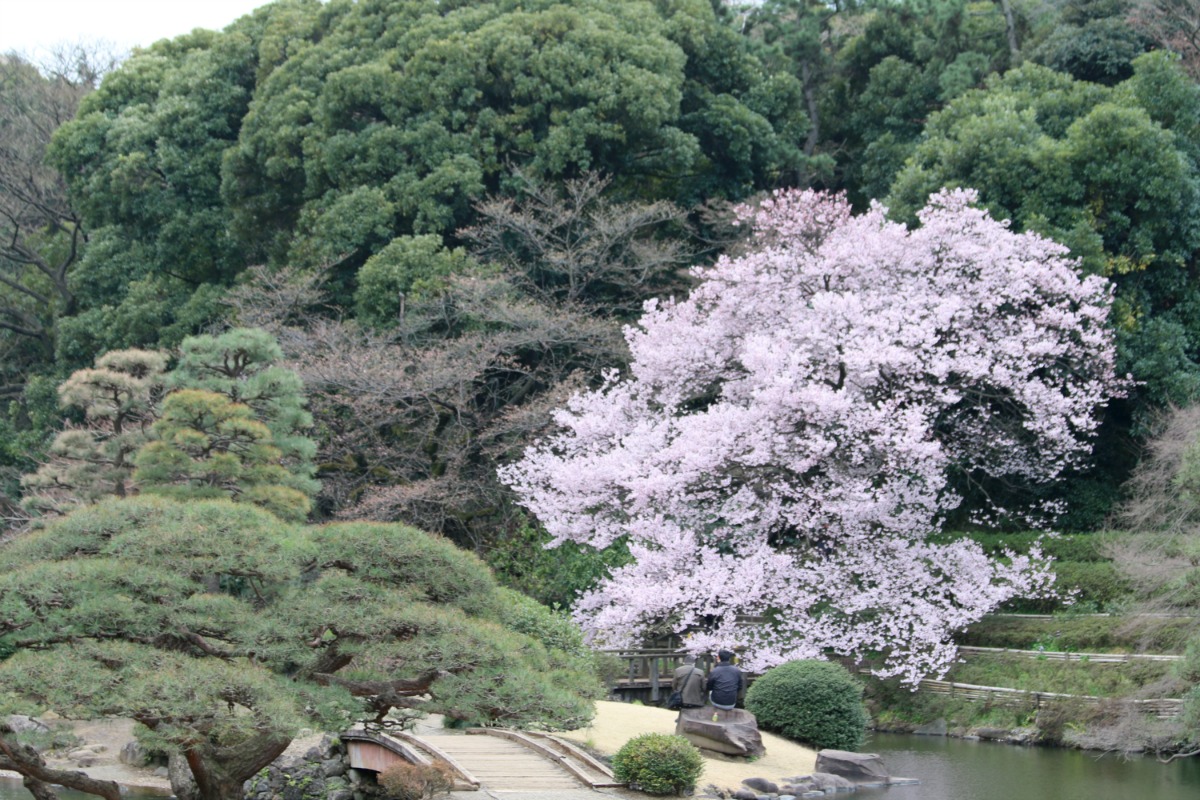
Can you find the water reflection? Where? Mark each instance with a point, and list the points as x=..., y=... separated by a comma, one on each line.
x=11, y=789
x=953, y=769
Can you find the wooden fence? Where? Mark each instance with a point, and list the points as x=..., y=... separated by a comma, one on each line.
x=1162, y=708
x=649, y=672
x=1054, y=655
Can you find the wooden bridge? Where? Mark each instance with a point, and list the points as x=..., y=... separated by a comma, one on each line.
x=491, y=758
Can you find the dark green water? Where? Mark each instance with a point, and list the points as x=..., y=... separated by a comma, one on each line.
x=953, y=769
x=11, y=789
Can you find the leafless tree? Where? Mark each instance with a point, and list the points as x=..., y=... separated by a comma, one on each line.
x=414, y=419
x=1163, y=509
x=1175, y=25
x=570, y=243
x=41, y=234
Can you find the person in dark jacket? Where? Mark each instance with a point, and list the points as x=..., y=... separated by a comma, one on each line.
x=725, y=682
x=688, y=680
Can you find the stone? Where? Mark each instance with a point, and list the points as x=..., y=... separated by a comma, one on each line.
x=132, y=754
x=787, y=797
x=96, y=748
x=992, y=734
x=761, y=785
x=733, y=732
x=813, y=794
x=829, y=783
x=799, y=787
x=936, y=728
x=162, y=772
x=83, y=758
x=23, y=724
x=341, y=794
x=745, y=794
x=858, y=768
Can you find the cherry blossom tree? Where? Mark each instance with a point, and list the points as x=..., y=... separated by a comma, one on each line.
x=791, y=436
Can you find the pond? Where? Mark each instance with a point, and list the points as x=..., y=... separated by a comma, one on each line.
x=11, y=789
x=954, y=769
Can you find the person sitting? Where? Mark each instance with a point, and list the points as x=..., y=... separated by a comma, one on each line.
x=725, y=683
x=688, y=680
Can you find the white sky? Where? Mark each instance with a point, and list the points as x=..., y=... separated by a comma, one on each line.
x=31, y=26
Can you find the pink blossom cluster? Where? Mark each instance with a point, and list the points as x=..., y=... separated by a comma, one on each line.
x=777, y=457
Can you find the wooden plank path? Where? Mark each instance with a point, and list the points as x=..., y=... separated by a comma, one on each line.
x=503, y=765
x=496, y=759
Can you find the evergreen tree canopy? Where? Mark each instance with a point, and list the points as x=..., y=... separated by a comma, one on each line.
x=223, y=631
x=1112, y=173
x=315, y=133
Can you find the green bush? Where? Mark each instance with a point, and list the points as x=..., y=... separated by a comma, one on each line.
x=816, y=702
x=656, y=763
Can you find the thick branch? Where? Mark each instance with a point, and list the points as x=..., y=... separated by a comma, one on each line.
x=38, y=777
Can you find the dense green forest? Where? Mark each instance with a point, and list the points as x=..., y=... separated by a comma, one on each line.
x=342, y=260
x=444, y=212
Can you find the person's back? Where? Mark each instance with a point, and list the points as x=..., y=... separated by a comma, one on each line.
x=688, y=680
x=725, y=682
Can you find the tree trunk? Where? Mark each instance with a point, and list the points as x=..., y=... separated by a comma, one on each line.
x=814, y=111
x=219, y=772
x=1010, y=28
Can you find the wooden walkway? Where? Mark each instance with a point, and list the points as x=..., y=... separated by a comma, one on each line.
x=493, y=759
x=502, y=765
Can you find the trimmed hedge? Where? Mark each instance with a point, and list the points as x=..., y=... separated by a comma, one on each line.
x=657, y=763
x=815, y=702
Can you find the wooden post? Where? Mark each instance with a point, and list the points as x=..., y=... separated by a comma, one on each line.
x=653, y=679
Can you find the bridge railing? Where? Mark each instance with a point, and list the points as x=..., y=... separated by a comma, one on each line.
x=651, y=669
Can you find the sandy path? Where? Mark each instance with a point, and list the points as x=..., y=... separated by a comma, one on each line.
x=617, y=723
x=113, y=734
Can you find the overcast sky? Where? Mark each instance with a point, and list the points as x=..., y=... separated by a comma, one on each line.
x=30, y=26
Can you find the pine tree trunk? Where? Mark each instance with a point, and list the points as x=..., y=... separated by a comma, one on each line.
x=1010, y=27
x=218, y=773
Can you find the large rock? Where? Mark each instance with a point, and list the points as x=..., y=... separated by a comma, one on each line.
x=132, y=754
x=733, y=732
x=829, y=783
x=19, y=723
x=936, y=728
x=861, y=769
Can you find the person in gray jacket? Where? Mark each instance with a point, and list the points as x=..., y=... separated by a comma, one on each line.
x=688, y=680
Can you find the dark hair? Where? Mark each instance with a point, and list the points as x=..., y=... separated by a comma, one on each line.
x=725, y=656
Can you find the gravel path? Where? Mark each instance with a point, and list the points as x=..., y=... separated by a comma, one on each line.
x=617, y=723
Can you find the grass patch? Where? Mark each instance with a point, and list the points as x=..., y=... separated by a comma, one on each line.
x=1060, y=677
x=1079, y=633
x=894, y=707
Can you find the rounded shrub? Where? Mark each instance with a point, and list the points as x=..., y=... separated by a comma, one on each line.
x=815, y=702
x=657, y=763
